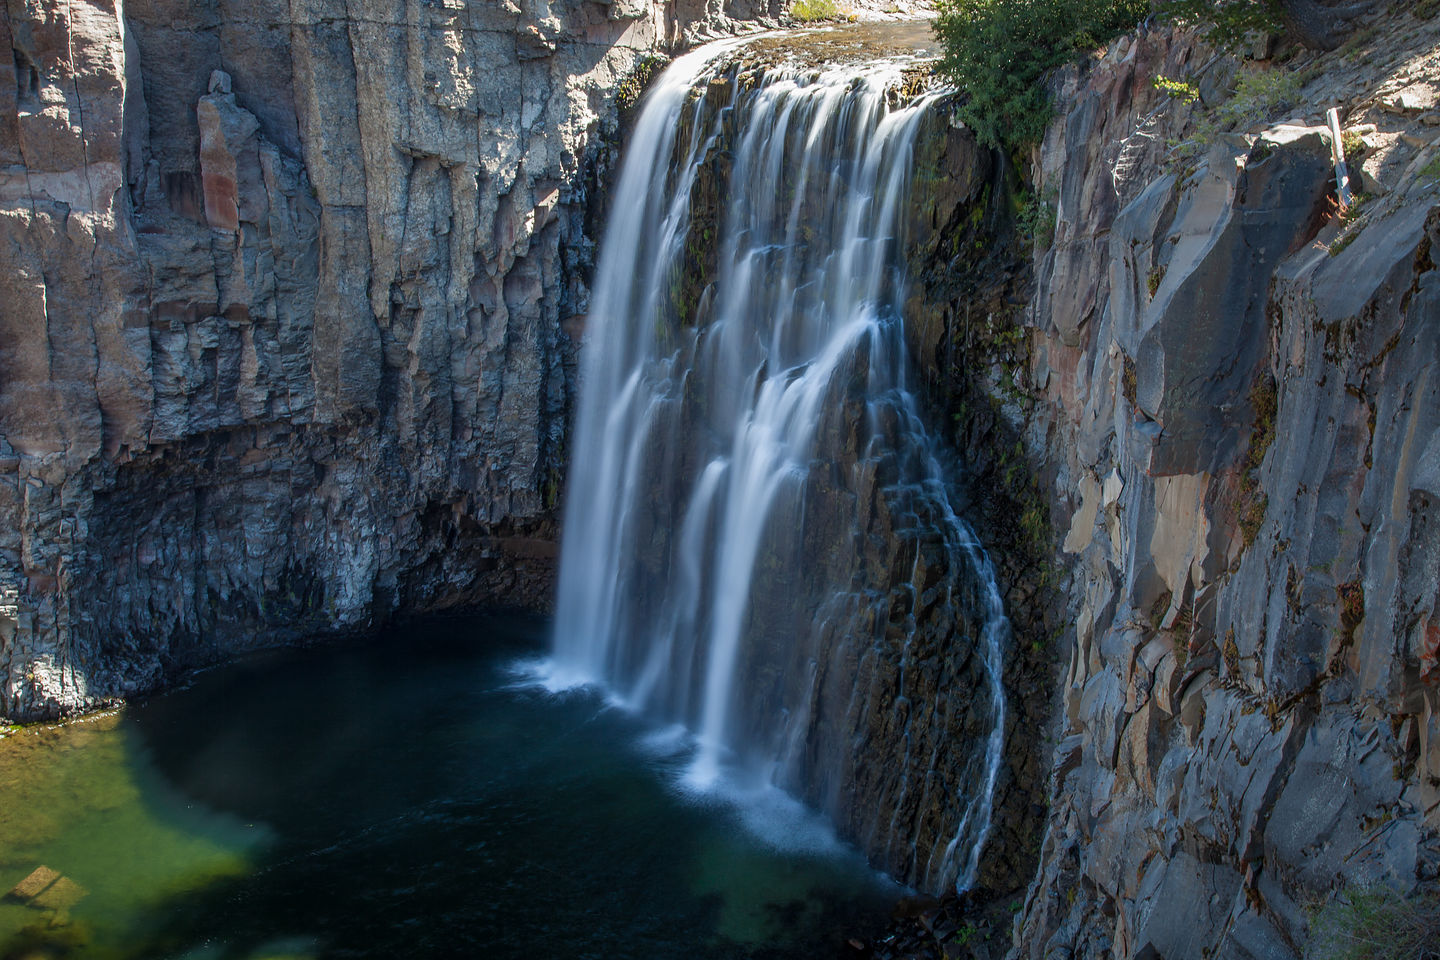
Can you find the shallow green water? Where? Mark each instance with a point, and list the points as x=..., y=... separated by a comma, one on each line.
x=407, y=798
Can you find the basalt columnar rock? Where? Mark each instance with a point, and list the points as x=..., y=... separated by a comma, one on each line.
x=287, y=298
x=287, y=310
x=1235, y=404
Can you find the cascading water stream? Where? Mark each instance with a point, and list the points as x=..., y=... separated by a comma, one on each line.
x=758, y=541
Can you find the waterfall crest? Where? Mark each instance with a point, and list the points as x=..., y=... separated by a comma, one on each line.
x=758, y=542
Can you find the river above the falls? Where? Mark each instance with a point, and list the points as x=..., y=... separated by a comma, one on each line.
x=407, y=797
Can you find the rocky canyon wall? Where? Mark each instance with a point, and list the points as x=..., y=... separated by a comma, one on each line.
x=1230, y=392
x=288, y=296
x=289, y=293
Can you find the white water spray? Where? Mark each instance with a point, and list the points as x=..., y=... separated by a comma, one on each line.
x=756, y=522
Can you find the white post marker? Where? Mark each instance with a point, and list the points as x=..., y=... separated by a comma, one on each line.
x=1337, y=150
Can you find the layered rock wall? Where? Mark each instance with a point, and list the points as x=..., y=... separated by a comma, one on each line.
x=287, y=297
x=1238, y=415
x=287, y=308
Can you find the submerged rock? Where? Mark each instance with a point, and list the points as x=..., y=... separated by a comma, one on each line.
x=60, y=896
x=35, y=883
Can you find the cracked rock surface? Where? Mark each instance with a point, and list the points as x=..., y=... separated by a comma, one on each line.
x=285, y=288
x=1240, y=419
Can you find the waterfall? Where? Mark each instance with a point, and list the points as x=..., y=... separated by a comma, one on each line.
x=758, y=542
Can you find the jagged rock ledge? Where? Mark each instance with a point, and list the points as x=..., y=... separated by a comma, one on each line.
x=1235, y=407
x=1227, y=393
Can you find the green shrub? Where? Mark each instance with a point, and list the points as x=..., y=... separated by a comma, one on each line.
x=1261, y=94
x=1252, y=516
x=1265, y=401
x=1376, y=923
x=1152, y=283
x=1035, y=218
x=1348, y=219
x=1340, y=243
x=1227, y=23
x=997, y=52
x=808, y=11
x=1179, y=89
x=1353, y=143
x=635, y=85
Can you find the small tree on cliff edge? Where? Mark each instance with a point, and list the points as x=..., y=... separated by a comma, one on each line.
x=996, y=51
x=1318, y=24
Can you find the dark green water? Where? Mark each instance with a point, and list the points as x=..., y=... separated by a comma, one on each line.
x=406, y=798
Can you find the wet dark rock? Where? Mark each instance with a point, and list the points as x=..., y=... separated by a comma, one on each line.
x=969, y=276
x=949, y=928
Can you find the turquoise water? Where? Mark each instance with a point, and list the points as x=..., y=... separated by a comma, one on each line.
x=410, y=797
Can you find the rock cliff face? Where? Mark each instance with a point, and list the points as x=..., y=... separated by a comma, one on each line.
x=289, y=291
x=1234, y=399
x=967, y=275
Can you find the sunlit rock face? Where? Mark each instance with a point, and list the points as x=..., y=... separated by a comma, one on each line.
x=287, y=297
x=1238, y=412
